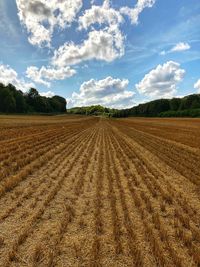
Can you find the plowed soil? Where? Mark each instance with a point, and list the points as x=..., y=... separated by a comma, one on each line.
x=85, y=191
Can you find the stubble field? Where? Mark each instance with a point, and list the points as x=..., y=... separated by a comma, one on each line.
x=88, y=191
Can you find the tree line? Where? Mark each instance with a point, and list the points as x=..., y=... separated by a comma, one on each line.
x=94, y=110
x=15, y=101
x=188, y=106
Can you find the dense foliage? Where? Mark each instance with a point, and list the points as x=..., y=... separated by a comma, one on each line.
x=95, y=110
x=188, y=106
x=15, y=101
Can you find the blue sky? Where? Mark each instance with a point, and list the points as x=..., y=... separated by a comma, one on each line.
x=114, y=53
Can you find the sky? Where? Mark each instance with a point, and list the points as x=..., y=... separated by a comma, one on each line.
x=116, y=53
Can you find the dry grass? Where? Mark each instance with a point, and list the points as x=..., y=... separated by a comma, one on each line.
x=83, y=191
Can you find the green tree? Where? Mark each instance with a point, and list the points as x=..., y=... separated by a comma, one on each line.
x=175, y=104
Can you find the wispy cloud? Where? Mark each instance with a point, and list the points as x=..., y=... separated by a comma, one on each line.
x=197, y=86
x=179, y=47
x=7, y=26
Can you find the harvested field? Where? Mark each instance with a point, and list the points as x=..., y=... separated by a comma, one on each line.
x=89, y=191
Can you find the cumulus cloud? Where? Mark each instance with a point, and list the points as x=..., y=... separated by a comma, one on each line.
x=41, y=75
x=107, y=45
x=133, y=13
x=161, y=81
x=104, y=42
x=100, y=14
x=179, y=47
x=108, y=92
x=34, y=74
x=9, y=75
x=197, y=86
x=40, y=17
x=47, y=94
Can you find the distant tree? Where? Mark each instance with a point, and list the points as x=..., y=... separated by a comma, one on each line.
x=32, y=99
x=33, y=93
x=7, y=101
x=59, y=103
x=191, y=101
x=175, y=104
x=21, y=105
x=13, y=100
x=19, y=98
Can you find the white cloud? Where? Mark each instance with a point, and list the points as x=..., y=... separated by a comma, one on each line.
x=100, y=14
x=161, y=81
x=40, y=17
x=108, y=92
x=197, y=86
x=133, y=13
x=9, y=75
x=47, y=94
x=33, y=73
x=41, y=75
x=107, y=45
x=179, y=47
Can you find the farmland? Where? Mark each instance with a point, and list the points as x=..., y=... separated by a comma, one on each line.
x=89, y=191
